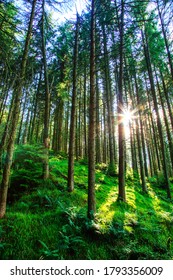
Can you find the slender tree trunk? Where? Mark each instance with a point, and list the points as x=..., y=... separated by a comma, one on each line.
x=105, y=134
x=167, y=100
x=140, y=140
x=153, y=132
x=108, y=99
x=30, y=121
x=35, y=108
x=60, y=124
x=121, y=132
x=8, y=126
x=80, y=123
x=22, y=117
x=76, y=137
x=132, y=130
x=67, y=127
x=5, y=98
x=46, y=138
x=85, y=113
x=133, y=150
x=159, y=124
x=98, y=148
x=142, y=170
x=170, y=143
x=25, y=133
x=73, y=114
x=165, y=39
x=153, y=146
x=92, y=120
x=15, y=117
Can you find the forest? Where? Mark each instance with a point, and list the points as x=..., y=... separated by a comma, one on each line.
x=86, y=130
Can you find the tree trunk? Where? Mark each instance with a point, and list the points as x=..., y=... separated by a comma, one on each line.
x=25, y=132
x=108, y=99
x=35, y=108
x=121, y=132
x=73, y=113
x=141, y=162
x=98, y=148
x=22, y=117
x=46, y=138
x=85, y=113
x=170, y=143
x=165, y=39
x=167, y=100
x=159, y=124
x=92, y=119
x=15, y=118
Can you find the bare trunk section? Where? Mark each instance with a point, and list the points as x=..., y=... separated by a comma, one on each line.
x=121, y=132
x=108, y=98
x=35, y=109
x=73, y=114
x=92, y=120
x=46, y=138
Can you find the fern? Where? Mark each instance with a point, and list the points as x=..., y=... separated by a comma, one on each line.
x=47, y=252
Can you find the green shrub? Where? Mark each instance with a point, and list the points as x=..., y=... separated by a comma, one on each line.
x=111, y=170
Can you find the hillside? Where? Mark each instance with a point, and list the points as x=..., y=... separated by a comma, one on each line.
x=44, y=221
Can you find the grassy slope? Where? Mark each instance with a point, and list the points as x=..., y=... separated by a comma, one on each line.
x=47, y=222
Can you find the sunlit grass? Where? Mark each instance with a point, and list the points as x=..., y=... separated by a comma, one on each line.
x=105, y=211
x=130, y=197
x=140, y=228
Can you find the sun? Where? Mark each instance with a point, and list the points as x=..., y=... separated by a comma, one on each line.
x=127, y=117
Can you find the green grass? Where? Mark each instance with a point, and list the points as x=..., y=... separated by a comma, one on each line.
x=45, y=221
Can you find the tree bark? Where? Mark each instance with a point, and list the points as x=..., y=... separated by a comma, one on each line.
x=108, y=99
x=46, y=138
x=92, y=120
x=73, y=113
x=121, y=132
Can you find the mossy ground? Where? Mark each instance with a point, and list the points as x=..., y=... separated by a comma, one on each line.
x=44, y=221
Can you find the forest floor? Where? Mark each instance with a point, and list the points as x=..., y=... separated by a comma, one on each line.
x=44, y=221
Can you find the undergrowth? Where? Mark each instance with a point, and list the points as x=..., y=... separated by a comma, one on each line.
x=44, y=221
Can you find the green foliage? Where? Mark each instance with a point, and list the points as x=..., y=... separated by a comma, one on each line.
x=2, y=244
x=111, y=171
x=49, y=254
x=158, y=181
x=130, y=175
x=27, y=156
x=27, y=171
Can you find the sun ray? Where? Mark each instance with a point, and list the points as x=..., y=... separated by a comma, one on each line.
x=127, y=115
